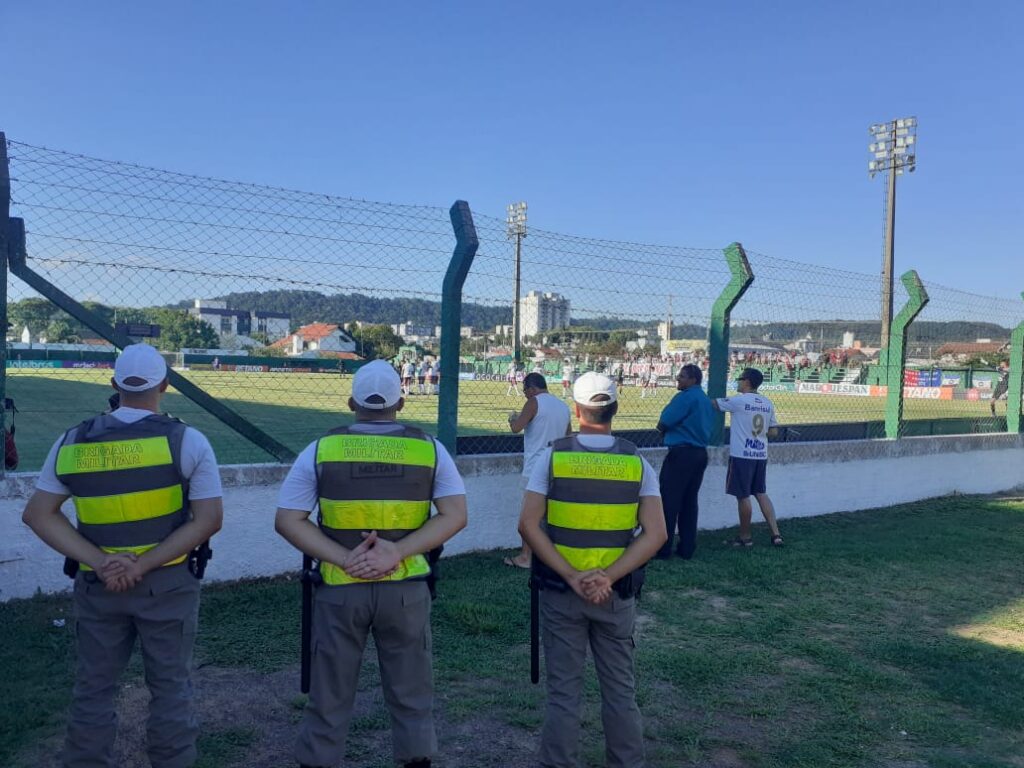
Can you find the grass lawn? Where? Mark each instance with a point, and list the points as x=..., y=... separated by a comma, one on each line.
x=884, y=639
x=298, y=408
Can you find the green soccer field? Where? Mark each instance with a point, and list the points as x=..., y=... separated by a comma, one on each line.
x=297, y=408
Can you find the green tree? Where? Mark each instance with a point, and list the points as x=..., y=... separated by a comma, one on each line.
x=33, y=313
x=60, y=331
x=376, y=341
x=179, y=329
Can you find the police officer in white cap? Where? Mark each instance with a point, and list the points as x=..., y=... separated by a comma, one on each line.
x=586, y=499
x=147, y=496
x=372, y=483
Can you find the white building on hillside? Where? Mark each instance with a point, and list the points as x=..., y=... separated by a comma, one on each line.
x=541, y=312
x=240, y=323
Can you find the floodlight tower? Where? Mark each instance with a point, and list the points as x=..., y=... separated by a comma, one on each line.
x=516, y=230
x=894, y=151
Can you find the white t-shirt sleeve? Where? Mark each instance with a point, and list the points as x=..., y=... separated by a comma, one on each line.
x=649, y=485
x=727, y=404
x=538, y=482
x=47, y=480
x=199, y=465
x=298, y=491
x=447, y=480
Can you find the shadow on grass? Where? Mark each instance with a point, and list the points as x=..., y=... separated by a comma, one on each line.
x=844, y=649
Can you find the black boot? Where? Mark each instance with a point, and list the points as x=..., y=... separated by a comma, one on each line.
x=422, y=762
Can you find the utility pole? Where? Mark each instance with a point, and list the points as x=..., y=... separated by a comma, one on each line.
x=516, y=231
x=894, y=151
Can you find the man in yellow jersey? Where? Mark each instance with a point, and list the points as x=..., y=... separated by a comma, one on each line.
x=373, y=484
x=586, y=498
x=147, y=495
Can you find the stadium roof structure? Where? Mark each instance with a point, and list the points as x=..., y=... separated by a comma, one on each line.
x=954, y=348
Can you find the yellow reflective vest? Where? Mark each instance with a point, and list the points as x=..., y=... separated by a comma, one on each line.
x=374, y=482
x=125, y=481
x=592, y=502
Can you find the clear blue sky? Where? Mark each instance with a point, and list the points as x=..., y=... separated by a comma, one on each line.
x=688, y=123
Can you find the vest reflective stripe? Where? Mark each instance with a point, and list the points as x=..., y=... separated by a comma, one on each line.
x=590, y=558
x=125, y=481
x=415, y=567
x=117, y=454
x=374, y=482
x=599, y=517
x=589, y=465
x=593, y=498
x=378, y=449
x=129, y=507
x=138, y=551
x=374, y=515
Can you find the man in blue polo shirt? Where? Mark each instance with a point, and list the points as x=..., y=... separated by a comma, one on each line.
x=685, y=425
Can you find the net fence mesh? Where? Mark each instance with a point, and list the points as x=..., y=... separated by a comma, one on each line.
x=139, y=244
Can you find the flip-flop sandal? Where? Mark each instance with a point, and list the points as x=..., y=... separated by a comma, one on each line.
x=738, y=542
x=777, y=541
x=513, y=564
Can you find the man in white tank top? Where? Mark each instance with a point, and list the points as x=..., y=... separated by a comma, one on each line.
x=544, y=418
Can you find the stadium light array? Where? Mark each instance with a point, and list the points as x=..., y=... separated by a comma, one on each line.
x=893, y=150
x=516, y=230
x=894, y=146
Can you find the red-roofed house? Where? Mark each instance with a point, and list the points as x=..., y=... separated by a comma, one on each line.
x=316, y=338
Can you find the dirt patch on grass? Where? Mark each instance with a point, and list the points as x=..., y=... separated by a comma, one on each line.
x=269, y=707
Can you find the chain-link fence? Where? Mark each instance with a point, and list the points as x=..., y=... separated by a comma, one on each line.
x=278, y=271
x=295, y=288
x=956, y=371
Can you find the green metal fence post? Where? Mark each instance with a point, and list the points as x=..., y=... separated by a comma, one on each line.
x=5, y=212
x=896, y=355
x=718, y=331
x=1016, y=388
x=20, y=269
x=466, y=244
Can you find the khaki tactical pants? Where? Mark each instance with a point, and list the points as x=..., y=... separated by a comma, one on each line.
x=569, y=625
x=163, y=612
x=398, y=614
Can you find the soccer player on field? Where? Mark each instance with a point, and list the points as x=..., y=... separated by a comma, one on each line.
x=753, y=421
x=1002, y=387
x=566, y=380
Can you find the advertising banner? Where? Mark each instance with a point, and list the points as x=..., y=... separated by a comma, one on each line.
x=34, y=363
x=840, y=388
x=85, y=364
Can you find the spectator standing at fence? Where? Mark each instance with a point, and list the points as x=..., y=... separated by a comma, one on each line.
x=686, y=424
x=544, y=418
x=373, y=483
x=585, y=499
x=147, y=495
x=513, y=382
x=753, y=422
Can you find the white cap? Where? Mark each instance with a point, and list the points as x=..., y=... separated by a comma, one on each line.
x=590, y=386
x=379, y=381
x=141, y=364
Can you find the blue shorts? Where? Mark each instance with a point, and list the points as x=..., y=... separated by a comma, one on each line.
x=746, y=477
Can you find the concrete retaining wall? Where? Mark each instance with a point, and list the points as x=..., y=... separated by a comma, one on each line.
x=804, y=479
